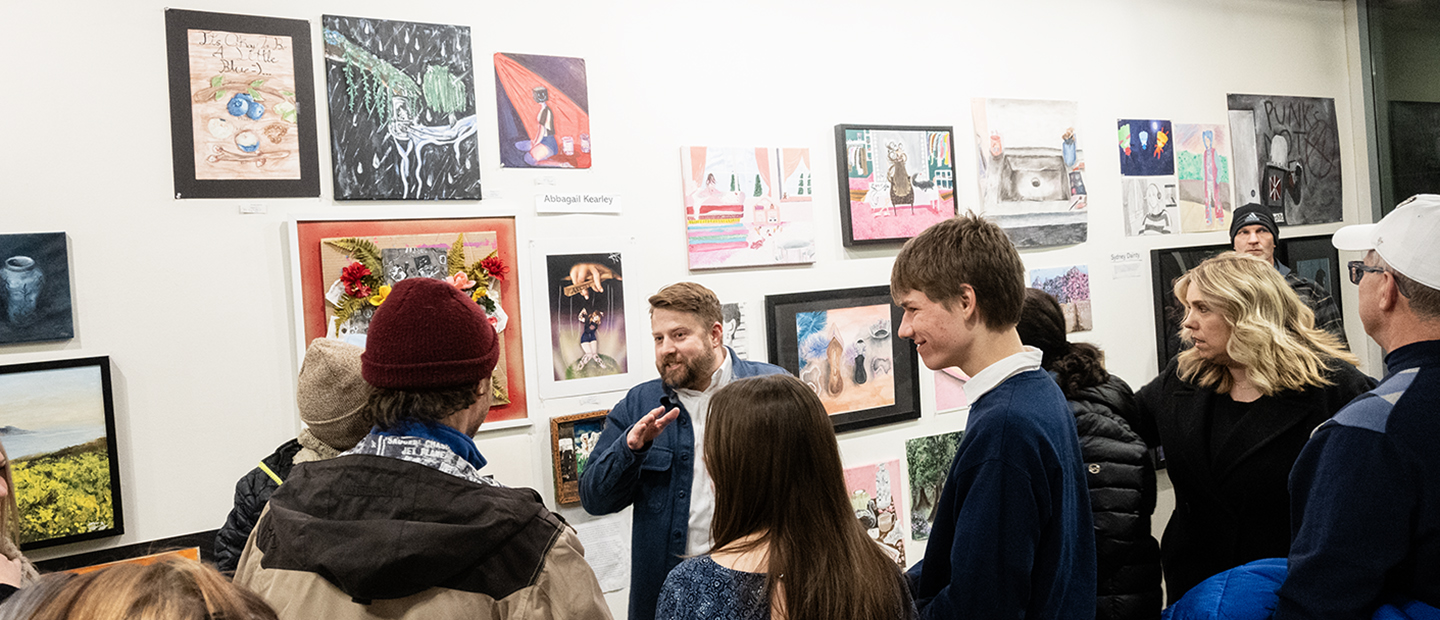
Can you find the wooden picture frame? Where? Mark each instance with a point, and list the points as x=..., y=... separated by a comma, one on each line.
x=874, y=211
x=58, y=427
x=311, y=258
x=867, y=380
x=242, y=106
x=572, y=441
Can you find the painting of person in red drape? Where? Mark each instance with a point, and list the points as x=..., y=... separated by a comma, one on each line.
x=544, y=111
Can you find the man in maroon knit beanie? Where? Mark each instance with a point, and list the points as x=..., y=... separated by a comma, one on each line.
x=404, y=525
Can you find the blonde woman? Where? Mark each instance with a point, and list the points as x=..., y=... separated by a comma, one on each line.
x=15, y=571
x=1233, y=411
x=171, y=589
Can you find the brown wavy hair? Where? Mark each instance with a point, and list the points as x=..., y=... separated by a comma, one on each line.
x=1272, y=332
x=822, y=564
x=170, y=589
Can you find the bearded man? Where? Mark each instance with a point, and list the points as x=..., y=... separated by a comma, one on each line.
x=662, y=473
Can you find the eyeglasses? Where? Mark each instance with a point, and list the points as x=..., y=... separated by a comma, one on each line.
x=1358, y=269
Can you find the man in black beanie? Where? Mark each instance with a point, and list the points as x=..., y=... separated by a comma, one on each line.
x=403, y=525
x=1253, y=231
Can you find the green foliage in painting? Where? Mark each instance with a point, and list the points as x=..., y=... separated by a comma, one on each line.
x=928, y=460
x=759, y=189
x=362, y=250
x=444, y=92
x=64, y=492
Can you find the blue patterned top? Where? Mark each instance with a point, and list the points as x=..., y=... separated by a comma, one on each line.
x=700, y=589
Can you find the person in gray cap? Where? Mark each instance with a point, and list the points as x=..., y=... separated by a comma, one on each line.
x=1365, y=492
x=1253, y=231
x=330, y=395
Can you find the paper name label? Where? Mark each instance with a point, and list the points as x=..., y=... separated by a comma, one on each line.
x=577, y=203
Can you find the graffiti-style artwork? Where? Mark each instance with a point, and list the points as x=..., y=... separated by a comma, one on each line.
x=928, y=460
x=748, y=207
x=1071, y=287
x=1287, y=156
x=402, y=110
x=845, y=357
x=875, y=496
x=1031, y=168
x=544, y=111
x=1202, y=163
x=241, y=105
x=1149, y=205
x=894, y=181
x=587, y=315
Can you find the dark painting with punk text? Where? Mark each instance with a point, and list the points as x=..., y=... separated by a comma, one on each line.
x=402, y=110
x=1287, y=156
x=34, y=288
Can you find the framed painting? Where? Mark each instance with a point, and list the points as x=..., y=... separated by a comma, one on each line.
x=543, y=107
x=347, y=267
x=58, y=430
x=34, y=288
x=894, y=181
x=842, y=344
x=572, y=439
x=242, y=106
x=402, y=110
x=875, y=495
x=1167, y=264
x=1316, y=259
x=583, y=340
x=748, y=207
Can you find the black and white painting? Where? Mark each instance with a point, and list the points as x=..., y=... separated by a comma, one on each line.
x=34, y=288
x=737, y=333
x=1287, y=156
x=402, y=110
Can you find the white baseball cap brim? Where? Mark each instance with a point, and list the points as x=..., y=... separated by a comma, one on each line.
x=1408, y=239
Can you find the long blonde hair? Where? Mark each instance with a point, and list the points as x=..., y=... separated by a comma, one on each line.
x=170, y=589
x=1272, y=332
x=9, y=509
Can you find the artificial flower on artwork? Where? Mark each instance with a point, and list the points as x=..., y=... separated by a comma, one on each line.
x=363, y=285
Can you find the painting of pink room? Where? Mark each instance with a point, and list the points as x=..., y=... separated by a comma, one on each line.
x=748, y=207
x=894, y=181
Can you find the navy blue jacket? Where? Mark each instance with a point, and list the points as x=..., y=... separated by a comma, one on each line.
x=656, y=480
x=1013, y=535
x=1365, y=498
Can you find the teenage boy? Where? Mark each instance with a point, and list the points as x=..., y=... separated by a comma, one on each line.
x=1013, y=534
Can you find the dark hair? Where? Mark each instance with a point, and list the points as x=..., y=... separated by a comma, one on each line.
x=690, y=298
x=387, y=408
x=1042, y=325
x=964, y=250
x=828, y=566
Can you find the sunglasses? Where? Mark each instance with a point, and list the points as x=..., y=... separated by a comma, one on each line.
x=1358, y=269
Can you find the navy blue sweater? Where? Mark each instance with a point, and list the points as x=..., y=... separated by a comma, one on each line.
x=1365, y=498
x=1013, y=533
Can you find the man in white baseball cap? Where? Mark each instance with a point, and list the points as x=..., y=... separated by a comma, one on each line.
x=1365, y=492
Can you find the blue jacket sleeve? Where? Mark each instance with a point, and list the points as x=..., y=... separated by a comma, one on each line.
x=612, y=474
x=1350, y=497
x=996, y=534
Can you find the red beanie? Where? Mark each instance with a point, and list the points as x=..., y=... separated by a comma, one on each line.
x=428, y=335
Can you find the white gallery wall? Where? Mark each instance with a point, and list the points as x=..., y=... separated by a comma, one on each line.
x=193, y=300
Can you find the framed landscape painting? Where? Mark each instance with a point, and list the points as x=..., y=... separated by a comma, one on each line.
x=572, y=440
x=841, y=344
x=894, y=181
x=58, y=429
x=242, y=106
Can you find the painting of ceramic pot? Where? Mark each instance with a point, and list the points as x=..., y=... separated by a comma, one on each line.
x=34, y=288
x=22, y=280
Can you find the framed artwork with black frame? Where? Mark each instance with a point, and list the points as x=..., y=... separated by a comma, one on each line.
x=242, y=106
x=572, y=440
x=58, y=429
x=1313, y=258
x=842, y=344
x=895, y=181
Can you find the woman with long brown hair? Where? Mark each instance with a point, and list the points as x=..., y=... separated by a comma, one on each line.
x=15, y=571
x=786, y=540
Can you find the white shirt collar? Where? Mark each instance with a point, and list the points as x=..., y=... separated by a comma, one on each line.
x=997, y=373
x=719, y=378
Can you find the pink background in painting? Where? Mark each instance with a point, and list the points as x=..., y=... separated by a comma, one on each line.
x=863, y=478
x=950, y=389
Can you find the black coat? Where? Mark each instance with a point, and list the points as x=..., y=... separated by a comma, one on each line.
x=252, y=491
x=1235, y=508
x=1122, y=496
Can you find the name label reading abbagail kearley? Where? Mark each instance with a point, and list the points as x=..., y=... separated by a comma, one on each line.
x=577, y=203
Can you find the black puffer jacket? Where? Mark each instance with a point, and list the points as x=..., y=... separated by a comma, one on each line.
x=251, y=493
x=1122, y=495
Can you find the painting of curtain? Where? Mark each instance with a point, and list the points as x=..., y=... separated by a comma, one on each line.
x=544, y=111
